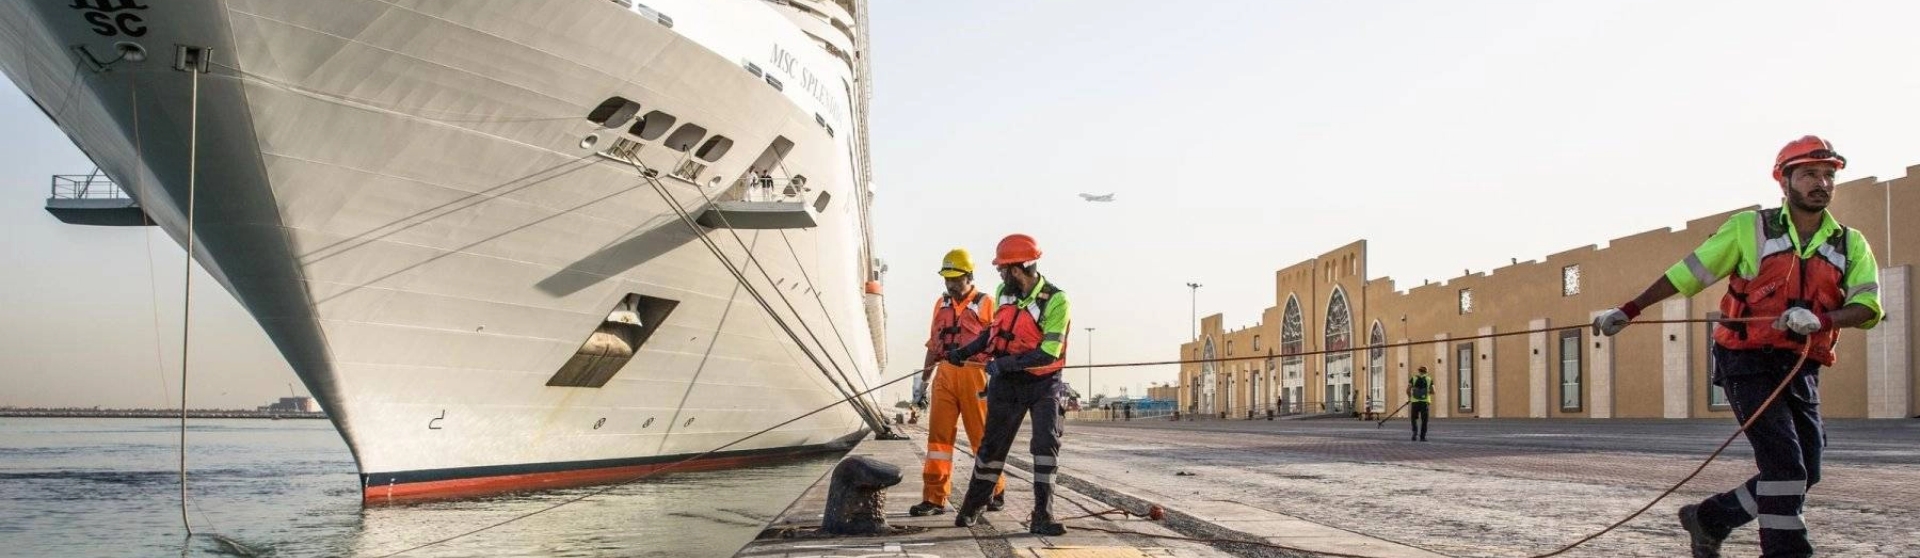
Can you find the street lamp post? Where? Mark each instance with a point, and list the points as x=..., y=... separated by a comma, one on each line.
x=1089, y=362
x=1194, y=309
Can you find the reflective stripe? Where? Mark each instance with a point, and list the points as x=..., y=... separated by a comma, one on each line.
x=1052, y=337
x=989, y=477
x=1782, y=522
x=1043, y=478
x=1860, y=289
x=1760, y=246
x=1833, y=256
x=1781, y=488
x=939, y=456
x=995, y=465
x=1699, y=270
x=1045, y=460
x=1746, y=500
x=1773, y=246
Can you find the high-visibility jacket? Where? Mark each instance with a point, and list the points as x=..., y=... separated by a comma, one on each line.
x=1026, y=322
x=957, y=322
x=1772, y=272
x=1421, y=388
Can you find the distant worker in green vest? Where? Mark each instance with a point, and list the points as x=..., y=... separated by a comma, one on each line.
x=1420, y=394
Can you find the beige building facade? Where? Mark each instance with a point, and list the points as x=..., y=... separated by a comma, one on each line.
x=1328, y=303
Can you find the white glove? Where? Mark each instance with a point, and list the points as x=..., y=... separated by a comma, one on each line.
x=920, y=392
x=1798, y=320
x=1611, y=322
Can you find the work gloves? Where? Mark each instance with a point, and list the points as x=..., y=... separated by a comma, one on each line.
x=1798, y=320
x=1612, y=321
x=955, y=358
x=1801, y=321
x=920, y=392
x=993, y=367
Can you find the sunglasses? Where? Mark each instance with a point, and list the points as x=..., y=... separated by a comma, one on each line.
x=1816, y=154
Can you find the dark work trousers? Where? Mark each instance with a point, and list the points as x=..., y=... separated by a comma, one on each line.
x=1787, y=440
x=1010, y=398
x=1420, y=415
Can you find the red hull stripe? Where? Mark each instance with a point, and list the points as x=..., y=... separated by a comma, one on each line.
x=589, y=474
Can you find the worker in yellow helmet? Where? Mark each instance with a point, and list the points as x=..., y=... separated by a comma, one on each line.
x=958, y=317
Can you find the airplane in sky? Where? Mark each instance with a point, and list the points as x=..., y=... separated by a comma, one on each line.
x=1099, y=198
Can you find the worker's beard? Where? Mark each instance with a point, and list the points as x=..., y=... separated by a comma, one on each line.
x=1809, y=203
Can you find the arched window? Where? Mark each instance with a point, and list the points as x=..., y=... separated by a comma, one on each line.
x=1209, y=372
x=1293, y=338
x=1293, y=335
x=1377, y=369
x=1339, y=337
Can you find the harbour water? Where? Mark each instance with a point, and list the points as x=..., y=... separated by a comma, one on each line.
x=109, y=487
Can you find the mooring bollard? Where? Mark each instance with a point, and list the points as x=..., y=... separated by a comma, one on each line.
x=857, y=496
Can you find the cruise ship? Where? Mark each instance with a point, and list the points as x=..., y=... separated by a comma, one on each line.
x=507, y=245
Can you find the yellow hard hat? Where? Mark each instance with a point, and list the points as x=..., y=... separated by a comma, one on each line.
x=956, y=264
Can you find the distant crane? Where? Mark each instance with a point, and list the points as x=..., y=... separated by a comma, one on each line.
x=1107, y=197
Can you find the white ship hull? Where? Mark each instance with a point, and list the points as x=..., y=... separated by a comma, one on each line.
x=402, y=195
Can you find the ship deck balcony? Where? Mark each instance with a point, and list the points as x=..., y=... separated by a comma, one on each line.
x=92, y=199
x=765, y=203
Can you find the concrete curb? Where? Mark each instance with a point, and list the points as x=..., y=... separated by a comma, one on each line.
x=1181, y=522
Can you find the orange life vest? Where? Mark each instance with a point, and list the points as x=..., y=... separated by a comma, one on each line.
x=1785, y=281
x=1016, y=329
x=955, y=325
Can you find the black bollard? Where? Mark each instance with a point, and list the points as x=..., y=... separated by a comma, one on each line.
x=857, y=497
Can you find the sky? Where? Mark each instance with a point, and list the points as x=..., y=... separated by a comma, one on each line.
x=1237, y=137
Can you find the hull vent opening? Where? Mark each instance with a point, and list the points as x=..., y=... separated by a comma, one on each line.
x=620, y=336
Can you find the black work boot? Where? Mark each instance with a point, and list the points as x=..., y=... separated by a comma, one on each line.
x=1704, y=544
x=1044, y=525
x=925, y=508
x=966, y=517
x=999, y=501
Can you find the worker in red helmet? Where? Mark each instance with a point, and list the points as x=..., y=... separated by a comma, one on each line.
x=1798, y=265
x=1026, y=345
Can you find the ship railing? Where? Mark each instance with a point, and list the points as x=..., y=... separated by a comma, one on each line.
x=772, y=189
x=85, y=187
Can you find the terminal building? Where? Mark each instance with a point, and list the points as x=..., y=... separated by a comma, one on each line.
x=292, y=405
x=1329, y=303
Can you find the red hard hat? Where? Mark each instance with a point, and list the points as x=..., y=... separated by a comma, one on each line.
x=1016, y=249
x=1809, y=149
